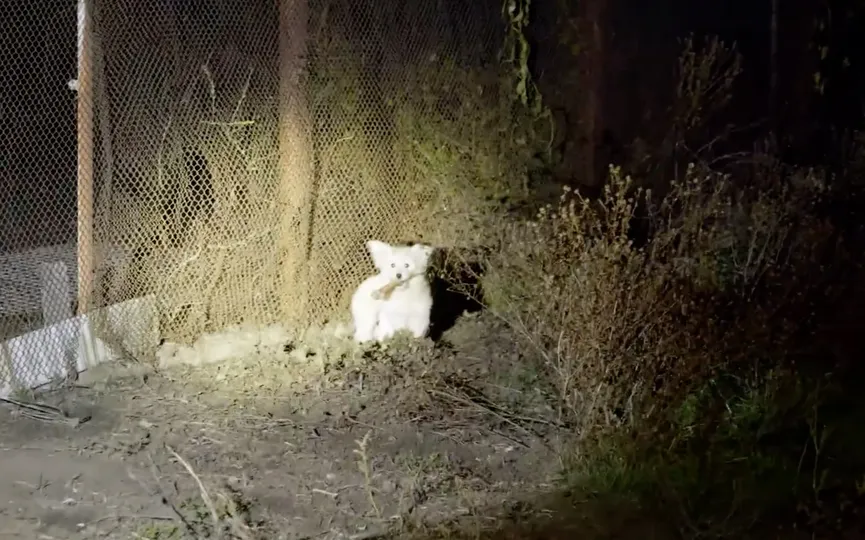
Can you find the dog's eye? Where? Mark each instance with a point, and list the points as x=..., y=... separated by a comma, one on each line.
x=393, y=265
x=406, y=265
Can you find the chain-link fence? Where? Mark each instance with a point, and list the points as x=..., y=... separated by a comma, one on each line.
x=195, y=164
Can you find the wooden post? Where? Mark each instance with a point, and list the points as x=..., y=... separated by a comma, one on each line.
x=773, y=68
x=295, y=160
x=593, y=15
x=85, y=159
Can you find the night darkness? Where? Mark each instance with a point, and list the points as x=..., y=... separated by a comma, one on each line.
x=640, y=46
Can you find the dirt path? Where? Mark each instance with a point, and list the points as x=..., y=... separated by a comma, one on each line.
x=343, y=451
x=51, y=493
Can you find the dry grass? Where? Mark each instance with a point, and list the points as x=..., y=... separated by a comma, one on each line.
x=621, y=326
x=324, y=443
x=688, y=319
x=471, y=147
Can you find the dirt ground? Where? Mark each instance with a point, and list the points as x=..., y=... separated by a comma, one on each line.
x=336, y=445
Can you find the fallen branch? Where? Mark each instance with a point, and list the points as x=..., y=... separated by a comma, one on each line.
x=45, y=412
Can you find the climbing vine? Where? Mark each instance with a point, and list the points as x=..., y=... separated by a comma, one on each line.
x=516, y=52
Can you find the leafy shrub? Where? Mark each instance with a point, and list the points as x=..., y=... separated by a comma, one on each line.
x=623, y=329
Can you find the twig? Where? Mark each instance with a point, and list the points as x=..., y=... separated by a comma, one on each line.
x=131, y=516
x=47, y=413
x=467, y=401
x=233, y=122
x=213, y=246
x=236, y=123
x=509, y=438
x=369, y=535
x=243, y=93
x=384, y=293
x=205, y=496
x=330, y=494
x=154, y=470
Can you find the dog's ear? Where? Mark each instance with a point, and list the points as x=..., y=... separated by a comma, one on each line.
x=380, y=253
x=422, y=253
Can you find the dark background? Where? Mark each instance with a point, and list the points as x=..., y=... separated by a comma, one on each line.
x=629, y=67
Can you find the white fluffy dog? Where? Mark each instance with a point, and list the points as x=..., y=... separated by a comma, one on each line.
x=398, y=297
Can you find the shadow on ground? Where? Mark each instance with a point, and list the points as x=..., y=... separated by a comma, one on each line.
x=561, y=519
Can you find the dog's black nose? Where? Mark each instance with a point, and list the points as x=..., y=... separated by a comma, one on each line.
x=399, y=276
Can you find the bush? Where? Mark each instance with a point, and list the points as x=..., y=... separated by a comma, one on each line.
x=678, y=352
x=471, y=145
x=625, y=330
x=676, y=330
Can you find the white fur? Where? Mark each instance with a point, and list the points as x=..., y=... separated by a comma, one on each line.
x=408, y=307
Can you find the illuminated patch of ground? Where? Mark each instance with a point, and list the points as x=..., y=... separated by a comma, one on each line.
x=321, y=439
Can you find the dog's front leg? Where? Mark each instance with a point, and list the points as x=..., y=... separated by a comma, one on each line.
x=418, y=324
x=384, y=330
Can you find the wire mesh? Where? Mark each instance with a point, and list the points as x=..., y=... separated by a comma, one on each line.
x=242, y=154
x=38, y=266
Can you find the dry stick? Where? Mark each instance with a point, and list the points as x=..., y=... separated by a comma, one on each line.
x=225, y=127
x=509, y=438
x=484, y=402
x=243, y=93
x=205, y=496
x=163, y=498
x=130, y=516
x=238, y=526
x=466, y=401
x=384, y=293
x=45, y=412
x=369, y=535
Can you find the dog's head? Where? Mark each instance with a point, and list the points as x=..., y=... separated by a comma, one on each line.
x=399, y=263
